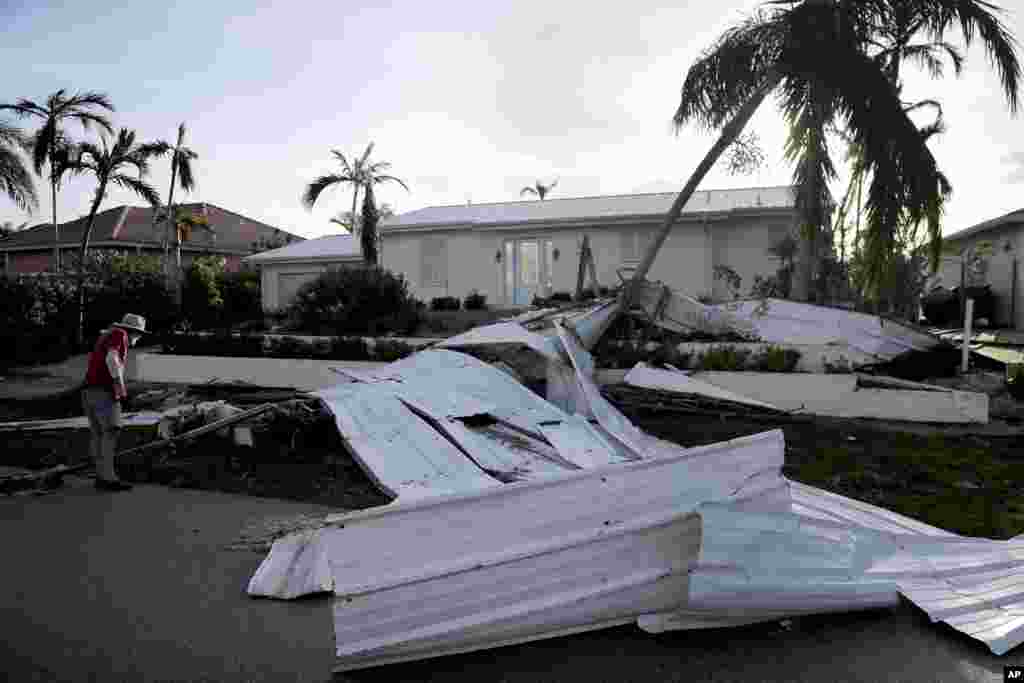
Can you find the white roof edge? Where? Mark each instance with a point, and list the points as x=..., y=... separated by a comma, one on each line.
x=597, y=221
x=284, y=259
x=1003, y=221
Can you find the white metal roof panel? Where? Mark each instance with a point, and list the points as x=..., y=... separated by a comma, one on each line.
x=412, y=541
x=583, y=208
x=329, y=246
x=403, y=454
x=778, y=320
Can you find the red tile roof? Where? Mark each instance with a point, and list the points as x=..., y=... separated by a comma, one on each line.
x=134, y=225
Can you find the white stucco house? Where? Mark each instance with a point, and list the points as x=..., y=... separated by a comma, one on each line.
x=513, y=251
x=1003, y=242
x=284, y=270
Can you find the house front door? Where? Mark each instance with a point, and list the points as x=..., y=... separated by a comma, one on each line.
x=527, y=270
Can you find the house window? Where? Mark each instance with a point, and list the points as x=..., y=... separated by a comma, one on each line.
x=635, y=242
x=433, y=267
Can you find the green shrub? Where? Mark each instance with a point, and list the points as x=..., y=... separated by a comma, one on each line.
x=724, y=358
x=475, y=301
x=776, y=359
x=38, y=318
x=390, y=350
x=564, y=297
x=201, y=297
x=288, y=347
x=191, y=344
x=444, y=303
x=668, y=354
x=356, y=300
x=240, y=292
x=349, y=348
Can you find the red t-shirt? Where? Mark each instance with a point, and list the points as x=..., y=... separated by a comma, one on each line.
x=98, y=374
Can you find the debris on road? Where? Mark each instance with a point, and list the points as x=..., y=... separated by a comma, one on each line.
x=827, y=395
x=522, y=514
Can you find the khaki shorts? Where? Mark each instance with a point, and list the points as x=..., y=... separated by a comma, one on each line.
x=103, y=411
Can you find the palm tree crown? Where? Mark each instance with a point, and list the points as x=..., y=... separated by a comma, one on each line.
x=15, y=179
x=538, y=189
x=360, y=173
x=114, y=165
x=817, y=55
x=181, y=176
x=50, y=144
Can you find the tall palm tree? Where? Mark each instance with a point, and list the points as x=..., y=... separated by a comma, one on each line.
x=538, y=189
x=50, y=144
x=183, y=177
x=112, y=165
x=345, y=219
x=817, y=55
x=360, y=173
x=15, y=179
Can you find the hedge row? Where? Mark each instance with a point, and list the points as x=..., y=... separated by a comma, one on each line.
x=258, y=346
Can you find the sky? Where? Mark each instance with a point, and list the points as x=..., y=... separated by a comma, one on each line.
x=469, y=101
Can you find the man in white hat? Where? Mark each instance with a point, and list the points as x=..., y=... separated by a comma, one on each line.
x=102, y=393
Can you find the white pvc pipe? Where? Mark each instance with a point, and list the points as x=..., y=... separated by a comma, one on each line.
x=965, y=345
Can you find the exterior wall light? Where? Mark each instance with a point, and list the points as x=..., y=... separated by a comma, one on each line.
x=497, y=256
x=556, y=253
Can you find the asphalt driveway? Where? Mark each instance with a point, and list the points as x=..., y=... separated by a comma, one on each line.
x=141, y=586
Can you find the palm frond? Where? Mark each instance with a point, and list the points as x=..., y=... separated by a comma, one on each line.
x=528, y=190
x=924, y=57
x=87, y=119
x=138, y=186
x=731, y=70
x=366, y=155
x=905, y=181
x=390, y=179
x=42, y=142
x=150, y=150
x=186, y=180
x=16, y=181
x=343, y=160
x=981, y=19
x=313, y=190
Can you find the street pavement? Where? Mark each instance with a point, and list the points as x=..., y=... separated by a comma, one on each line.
x=141, y=586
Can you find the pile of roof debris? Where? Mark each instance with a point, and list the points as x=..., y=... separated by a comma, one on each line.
x=517, y=517
x=162, y=425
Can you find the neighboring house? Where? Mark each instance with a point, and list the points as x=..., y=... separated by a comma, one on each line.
x=1002, y=241
x=513, y=251
x=285, y=270
x=129, y=229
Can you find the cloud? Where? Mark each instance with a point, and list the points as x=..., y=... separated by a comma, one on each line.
x=1016, y=161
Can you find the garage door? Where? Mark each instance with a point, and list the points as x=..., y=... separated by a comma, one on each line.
x=288, y=284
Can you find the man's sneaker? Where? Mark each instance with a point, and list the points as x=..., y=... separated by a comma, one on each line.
x=115, y=485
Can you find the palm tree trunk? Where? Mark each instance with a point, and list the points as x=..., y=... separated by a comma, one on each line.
x=82, y=252
x=355, y=196
x=729, y=133
x=56, y=230
x=803, y=284
x=173, y=270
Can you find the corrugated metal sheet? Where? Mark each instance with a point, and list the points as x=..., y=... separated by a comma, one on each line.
x=841, y=396
x=398, y=450
x=777, y=320
x=411, y=541
x=608, y=416
x=680, y=538
x=644, y=376
x=831, y=553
